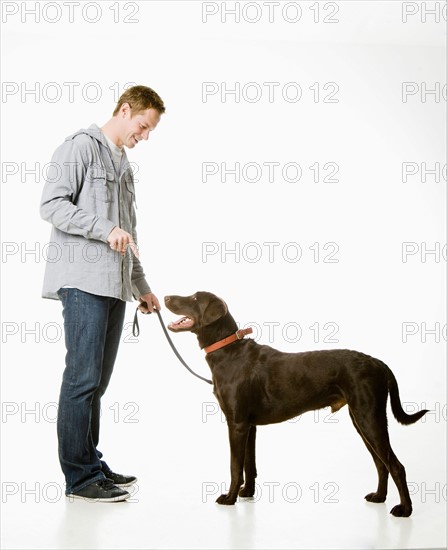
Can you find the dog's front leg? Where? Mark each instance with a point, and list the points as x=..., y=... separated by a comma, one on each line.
x=238, y=434
x=248, y=490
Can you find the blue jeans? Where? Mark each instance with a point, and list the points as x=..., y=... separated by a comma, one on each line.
x=92, y=326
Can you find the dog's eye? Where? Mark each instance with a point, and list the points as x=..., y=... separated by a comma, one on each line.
x=194, y=297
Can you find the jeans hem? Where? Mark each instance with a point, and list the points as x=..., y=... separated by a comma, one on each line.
x=86, y=484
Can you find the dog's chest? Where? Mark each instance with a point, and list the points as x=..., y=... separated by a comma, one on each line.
x=220, y=399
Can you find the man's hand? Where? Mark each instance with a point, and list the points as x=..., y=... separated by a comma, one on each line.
x=119, y=240
x=150, y=302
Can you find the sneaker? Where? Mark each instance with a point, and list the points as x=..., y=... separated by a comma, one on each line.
x=103, y=490
x=118, y=479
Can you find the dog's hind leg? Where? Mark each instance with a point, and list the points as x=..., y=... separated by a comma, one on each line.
x=373, y=427
x=238, y=441
x=248, y=490
x=382, y=470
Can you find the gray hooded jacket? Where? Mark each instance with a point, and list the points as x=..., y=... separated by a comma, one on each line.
x=84, y=198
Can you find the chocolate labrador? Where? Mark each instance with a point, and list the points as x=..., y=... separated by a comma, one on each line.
x=257, y=385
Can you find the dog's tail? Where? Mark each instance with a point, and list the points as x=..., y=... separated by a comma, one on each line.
x=396, y=405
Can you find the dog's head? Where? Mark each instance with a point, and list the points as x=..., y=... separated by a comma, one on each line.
x=198, y=311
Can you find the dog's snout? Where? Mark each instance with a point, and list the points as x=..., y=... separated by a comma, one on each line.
x=167, y=299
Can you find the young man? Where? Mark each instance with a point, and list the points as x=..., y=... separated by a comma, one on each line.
x=89, y=199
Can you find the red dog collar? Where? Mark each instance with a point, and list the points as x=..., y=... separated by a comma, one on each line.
x=229, y=340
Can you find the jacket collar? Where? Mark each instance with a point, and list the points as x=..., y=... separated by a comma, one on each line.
x=94, y=131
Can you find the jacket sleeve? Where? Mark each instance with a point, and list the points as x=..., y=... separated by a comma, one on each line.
x=64, y=182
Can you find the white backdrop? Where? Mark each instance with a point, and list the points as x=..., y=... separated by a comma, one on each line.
x=299, y=172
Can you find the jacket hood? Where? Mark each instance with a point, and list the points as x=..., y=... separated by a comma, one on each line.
x=93, y=131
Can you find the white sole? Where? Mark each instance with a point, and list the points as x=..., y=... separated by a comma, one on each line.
x=111, y=499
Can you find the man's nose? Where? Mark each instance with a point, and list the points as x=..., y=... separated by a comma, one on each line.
x=145, y=135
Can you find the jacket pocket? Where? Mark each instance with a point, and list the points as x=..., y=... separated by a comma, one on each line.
x=101, y=185
x=130, y=187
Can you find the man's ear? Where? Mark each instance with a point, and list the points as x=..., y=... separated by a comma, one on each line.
x=125, y=110
x=215, y=309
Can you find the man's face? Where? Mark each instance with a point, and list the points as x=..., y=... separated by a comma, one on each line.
x=137, y=127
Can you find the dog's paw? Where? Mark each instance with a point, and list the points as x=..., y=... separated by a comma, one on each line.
x=401, y=511
x=247, y=491
x=225, y=499
x=375, y=497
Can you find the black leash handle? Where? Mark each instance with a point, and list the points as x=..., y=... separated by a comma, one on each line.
x=136, y=333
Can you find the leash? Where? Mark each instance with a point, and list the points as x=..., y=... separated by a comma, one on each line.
x=136, y=333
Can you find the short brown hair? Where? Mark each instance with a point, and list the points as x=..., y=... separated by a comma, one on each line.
x=139, y=99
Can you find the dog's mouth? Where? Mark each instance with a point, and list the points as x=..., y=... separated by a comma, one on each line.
x=184, y=323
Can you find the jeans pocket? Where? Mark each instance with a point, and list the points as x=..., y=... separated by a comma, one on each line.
x=62, y=293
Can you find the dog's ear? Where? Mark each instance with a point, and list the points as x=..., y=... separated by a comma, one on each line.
x=215, y=309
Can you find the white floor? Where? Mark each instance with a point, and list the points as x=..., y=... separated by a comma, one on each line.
x=170, y=516
x=163, y=425
x=313, y=475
